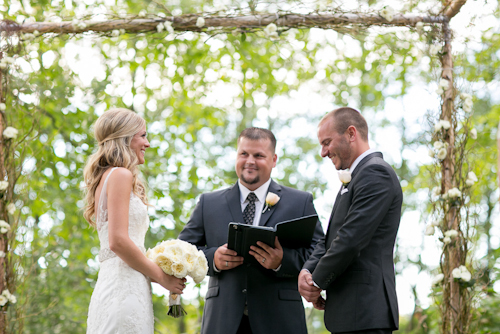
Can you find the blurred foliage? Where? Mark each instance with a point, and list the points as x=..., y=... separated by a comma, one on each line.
x=197, y=92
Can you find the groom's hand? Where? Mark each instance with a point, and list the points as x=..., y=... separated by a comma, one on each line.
x=268, y=257
x=225, y=259
x=307, y=288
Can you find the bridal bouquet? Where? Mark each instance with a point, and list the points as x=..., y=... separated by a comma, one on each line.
x=180, y=259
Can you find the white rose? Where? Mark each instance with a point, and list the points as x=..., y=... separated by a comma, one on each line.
x=10, y=132
x=437, y=126
x=174, y=252
x=429, y=230
x=272, y=199
x=465, y=274
x=435, y=223
x=431, y=153
x=160, y=27
x=451, y=233
x=454, y=192
x=437, y=279
x=446, y=240
x=3, y=106
x=13, y=299
x=468, y=102
x=115, y=33
x=439, y=90
x=179, y=269
x=456, y=273
x=436, y=191
x=387, y=13
x=467, y=108
x=473, y=134
x=419, y=26
x=3, y=185
x=438, y=145
x=200, y=22
x=11, y=208
x=445, y=124
x=168, y=26
x=2, y=254
x=434, y=49
x=344, y=176
x=3, y=300
x=465, y=96
x=471, y=179
x=442, y=153
x=444, y=83
x=271, y=31
x=4, y=227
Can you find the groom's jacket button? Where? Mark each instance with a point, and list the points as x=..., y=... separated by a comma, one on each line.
x=244, y=290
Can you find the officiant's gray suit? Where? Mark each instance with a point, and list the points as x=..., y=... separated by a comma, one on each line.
x=354, y=262
x=273, y=301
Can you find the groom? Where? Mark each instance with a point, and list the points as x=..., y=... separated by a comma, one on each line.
x=247, y=298
x=354, y=262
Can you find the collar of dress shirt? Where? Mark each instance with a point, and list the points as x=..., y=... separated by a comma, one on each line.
x=358, y=159
x=260, y=192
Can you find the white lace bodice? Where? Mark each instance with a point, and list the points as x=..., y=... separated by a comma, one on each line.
x=138, y=222
x=121, y=302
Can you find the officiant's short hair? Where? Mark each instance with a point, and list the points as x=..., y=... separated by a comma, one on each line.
x=258, y=134
x=345, y=117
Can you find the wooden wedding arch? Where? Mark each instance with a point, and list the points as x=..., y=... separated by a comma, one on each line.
x=456, y=303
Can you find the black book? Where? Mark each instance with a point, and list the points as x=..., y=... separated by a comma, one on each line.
x=295, y=233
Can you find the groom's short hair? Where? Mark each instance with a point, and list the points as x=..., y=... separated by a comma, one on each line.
x=344, y=117
x=258, y=134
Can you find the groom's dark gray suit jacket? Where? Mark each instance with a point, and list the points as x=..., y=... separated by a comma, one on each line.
x=354, y=262
x=274, y=303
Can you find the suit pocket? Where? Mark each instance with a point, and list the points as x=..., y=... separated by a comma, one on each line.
x=212, y=292
x=287, y=294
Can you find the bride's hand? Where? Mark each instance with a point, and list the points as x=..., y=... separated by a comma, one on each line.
x=172, y=283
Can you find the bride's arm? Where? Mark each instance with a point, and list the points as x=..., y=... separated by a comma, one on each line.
x=119, y=189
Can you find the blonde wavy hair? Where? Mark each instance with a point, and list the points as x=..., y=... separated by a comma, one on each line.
x=113, y=131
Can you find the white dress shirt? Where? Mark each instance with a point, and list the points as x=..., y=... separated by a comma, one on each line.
x=358, y=159
x=261, y=193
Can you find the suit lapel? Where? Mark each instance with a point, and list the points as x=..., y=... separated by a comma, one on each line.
x=233, y=201
x=273, y=188
x=356, y=170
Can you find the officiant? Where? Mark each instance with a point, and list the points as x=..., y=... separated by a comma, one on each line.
x=258, y=298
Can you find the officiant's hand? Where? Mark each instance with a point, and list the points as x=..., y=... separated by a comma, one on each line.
x=268, y=257
x=307, y=289
x=226, y=259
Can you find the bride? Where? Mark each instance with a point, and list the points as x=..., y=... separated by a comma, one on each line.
x=116, y=206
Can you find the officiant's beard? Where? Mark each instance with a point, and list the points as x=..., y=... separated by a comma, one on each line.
x=255, y=180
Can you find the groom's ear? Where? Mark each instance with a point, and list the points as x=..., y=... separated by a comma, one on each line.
x=275, y=159
x=352, y=133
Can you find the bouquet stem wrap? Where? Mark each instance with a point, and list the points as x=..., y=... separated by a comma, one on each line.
x=175, y=308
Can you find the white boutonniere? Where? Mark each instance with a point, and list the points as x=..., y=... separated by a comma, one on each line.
x=345, y=176
x=271, y=200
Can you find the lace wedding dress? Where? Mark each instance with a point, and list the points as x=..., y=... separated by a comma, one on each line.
x=121, y=302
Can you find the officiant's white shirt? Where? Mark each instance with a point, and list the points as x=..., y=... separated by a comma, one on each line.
x=260, y=192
